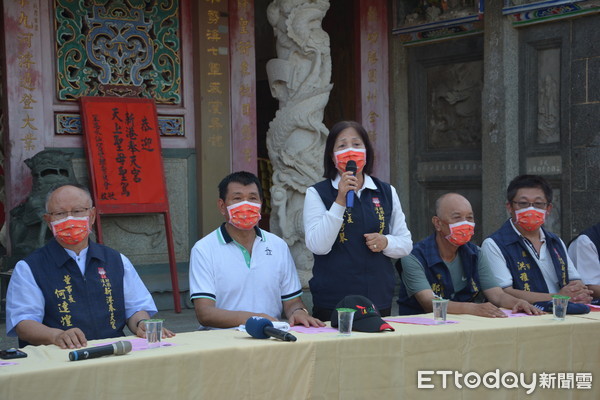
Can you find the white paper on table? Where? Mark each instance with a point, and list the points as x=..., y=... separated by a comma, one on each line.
x=281, y=325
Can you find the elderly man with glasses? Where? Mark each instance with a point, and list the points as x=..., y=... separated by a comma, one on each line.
x=528, y=261
x=72, y=289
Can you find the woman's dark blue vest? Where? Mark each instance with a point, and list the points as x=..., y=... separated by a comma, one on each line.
x=94, y=303
x=350, y=267
x=526, y=273
x=439, y=277
x=594, y=234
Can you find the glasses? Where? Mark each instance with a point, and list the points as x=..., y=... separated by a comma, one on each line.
x=524, y=204
x=78, y=212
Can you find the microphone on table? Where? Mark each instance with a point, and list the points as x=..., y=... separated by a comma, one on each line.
x=262, y=328
x=350, y=166
x=118, y=348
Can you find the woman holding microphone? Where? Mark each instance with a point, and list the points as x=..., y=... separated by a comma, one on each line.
x=353, y=244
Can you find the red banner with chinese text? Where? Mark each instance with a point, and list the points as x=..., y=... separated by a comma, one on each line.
x=124, y=153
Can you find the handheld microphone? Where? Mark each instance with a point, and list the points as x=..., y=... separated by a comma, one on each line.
x=262, y=328
x=118, y=348
x=350, y=166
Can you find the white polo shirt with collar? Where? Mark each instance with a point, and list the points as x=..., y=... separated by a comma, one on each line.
x=222, y=270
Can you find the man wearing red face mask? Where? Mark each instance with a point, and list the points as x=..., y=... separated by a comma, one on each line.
x=528, y=261
x=239, y=270
x=72, y=289
x=448, y=265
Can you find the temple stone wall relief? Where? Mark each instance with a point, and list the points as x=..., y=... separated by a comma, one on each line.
x=584, y=113
x=544, y=130
x=556, y=120
x=445, y=85
x=548, y=116
x=454, y=105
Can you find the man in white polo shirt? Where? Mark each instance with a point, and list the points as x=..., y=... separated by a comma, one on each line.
x=584, y=250
x=240, y=270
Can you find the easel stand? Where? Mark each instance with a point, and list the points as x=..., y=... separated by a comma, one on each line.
x=123, y=149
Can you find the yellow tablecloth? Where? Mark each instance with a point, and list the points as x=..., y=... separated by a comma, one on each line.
x=229, y=364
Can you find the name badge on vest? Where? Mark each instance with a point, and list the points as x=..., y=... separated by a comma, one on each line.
x=380, y=214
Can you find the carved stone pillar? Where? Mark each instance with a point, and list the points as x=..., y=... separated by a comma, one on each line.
x=300, y=79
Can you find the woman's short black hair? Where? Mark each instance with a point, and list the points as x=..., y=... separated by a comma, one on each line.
x=526, y=182
x=329, y=170
x=242, y=177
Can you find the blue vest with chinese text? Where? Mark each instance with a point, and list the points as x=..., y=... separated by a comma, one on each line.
x=351, y=267
x=594, y=234
x=525, y=272
x=94, y=303
x=439, y=277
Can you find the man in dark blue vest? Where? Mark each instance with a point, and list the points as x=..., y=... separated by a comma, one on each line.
x=72, y=289
x=528, y=261
x=448, y=265
x=584, y=251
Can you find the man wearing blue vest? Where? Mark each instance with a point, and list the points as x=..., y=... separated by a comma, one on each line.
x=528, y=261
x=448, y=265
x=584, y=251
x=72, y=289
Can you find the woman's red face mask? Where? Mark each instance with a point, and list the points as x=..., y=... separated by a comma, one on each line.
x=359, y=156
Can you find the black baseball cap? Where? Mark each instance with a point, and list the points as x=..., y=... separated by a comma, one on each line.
x=366, y=316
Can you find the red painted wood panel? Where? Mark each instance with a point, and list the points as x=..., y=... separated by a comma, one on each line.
x=243, y=86
x=373, y=94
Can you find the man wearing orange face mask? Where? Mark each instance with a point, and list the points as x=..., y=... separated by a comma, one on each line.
x=239, y=270
x=528, y=261
x=72, y=289
x=448, y=265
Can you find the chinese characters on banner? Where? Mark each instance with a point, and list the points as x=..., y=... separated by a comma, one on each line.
x=374, y=80
x=24, y=100
x=27, y=76
x=215, y=102
x=243, y=99
x=123, y=147
x=215, y=82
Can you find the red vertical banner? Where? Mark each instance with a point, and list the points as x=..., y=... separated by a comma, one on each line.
x=122, y=143
x=243, y=84
x=374, y=92
x=124, y=154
